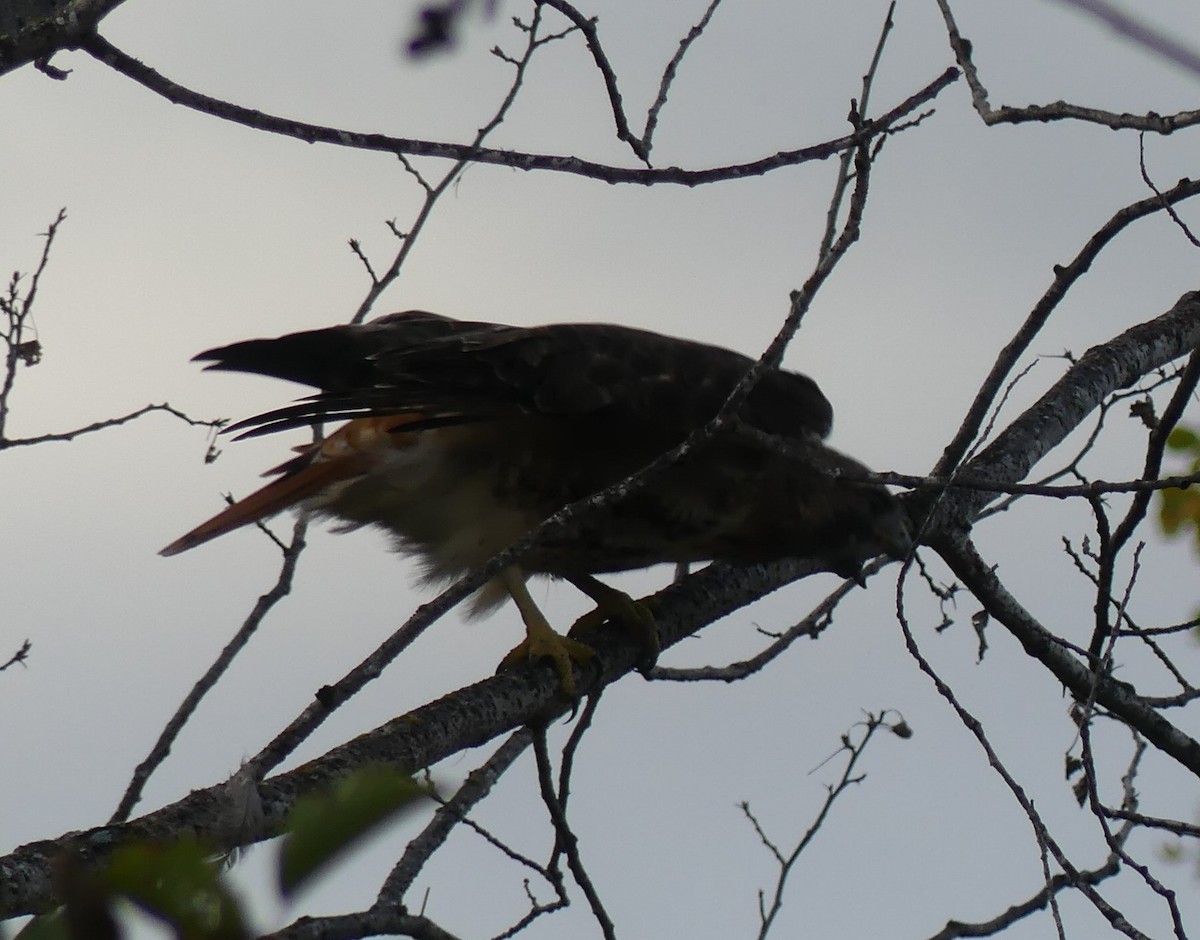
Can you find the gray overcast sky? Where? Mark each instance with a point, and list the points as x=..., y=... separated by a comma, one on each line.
x=185, y=232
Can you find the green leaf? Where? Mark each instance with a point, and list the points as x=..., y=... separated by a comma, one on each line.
x=181, y=884
x=1179, y=508
x=46, y=927
x=1183, y=439
x=322, y=825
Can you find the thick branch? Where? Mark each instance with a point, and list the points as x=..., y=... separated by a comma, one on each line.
x=466, y=718
x=1102, y=370
x=1119, y=698
x=1065, y=277
x=33, y=30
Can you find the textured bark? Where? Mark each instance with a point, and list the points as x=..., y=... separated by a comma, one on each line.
x=236, y=813
x=1102, y=370
x=35, y=29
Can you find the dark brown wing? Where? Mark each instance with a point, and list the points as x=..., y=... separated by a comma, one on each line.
x=454, y=371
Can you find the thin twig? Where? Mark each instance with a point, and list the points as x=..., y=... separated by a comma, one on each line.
x=668, y=75
x=812, y=626
x=111, y=423
x=848, y=778
x=1065, y=277
x=434, y=192
x=1155, y=447
x=475, y=788
x=565, y=838
x=1116, y=843
x=109, y=54
x=1183, y=226
x=1041, y=832
x=17, y=311
x=19, y=657
x=162, y=747
x=956, y=929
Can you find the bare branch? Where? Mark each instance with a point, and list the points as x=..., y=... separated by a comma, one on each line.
x=104, y=51
x=434, y=192
x=20, y=656
x=1043, y=646
x=375, y=922
x=1039, y=901
x=17, y=311
x=1170, y=210
x=1064, y=278
x=587, y=26
x=162, y=747
x=668, y=76
x=812, y=626
x=564, y=838
x=1105, y=368
x=1176, y=826
x=1056, y=111
x=474, y=789
x=846, y=162
x=854, y=751
x=971, y=569
x=640, y=146
x=111, y=423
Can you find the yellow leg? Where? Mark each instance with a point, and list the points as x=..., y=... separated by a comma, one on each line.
x=620, y=608
x=540, y=638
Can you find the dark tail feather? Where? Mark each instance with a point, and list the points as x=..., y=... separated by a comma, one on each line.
x=330, y=359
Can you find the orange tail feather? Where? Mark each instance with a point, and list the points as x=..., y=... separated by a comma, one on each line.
x=267, y=501
x=344, y=454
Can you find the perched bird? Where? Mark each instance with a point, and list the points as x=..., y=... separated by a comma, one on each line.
x=463, y=436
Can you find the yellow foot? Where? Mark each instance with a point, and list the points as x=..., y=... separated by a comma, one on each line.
x=546, y=644
x=622, y=610
x=540, y=639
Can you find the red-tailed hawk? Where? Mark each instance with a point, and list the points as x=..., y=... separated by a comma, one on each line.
x=463, y=436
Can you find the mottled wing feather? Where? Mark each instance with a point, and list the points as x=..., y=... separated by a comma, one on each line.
x=452, y=371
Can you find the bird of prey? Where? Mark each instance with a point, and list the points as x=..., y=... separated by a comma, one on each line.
x=463, y=436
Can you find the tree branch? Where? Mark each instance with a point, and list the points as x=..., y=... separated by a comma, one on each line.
x=1058, y=110
x=109, y=54
x=1119, y=698
x=1102, y=370
x=466, y=718
x=1065, y=277
x=33, y=30
x=162, y=747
